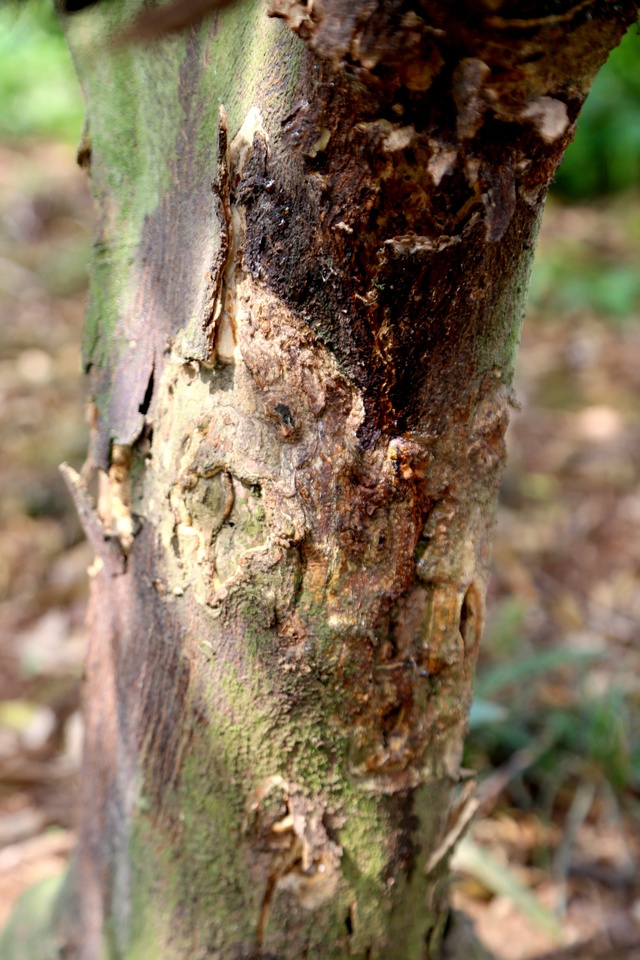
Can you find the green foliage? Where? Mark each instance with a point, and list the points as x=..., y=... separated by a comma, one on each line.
x=28, y=936
x=39, y=92
x=588, y=735
x=570, y=279
x=605, y=155
x=500, y=879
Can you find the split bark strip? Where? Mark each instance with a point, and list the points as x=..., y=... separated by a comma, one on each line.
x=106, y=547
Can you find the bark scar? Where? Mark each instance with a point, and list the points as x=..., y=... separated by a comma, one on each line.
x=191, y=480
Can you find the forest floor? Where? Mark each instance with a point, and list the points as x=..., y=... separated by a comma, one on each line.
x=549, y=867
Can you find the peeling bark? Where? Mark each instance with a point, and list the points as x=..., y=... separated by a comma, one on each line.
x=302, y=378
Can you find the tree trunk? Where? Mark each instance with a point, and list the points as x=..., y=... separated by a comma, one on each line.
x=311, y=260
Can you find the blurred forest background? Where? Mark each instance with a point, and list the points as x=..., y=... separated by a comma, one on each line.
x=550, y=865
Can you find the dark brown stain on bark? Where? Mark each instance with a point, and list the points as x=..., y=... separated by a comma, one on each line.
x=405, y=181
x=399, y=262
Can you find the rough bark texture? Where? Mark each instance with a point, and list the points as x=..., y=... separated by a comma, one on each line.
x=302, y=377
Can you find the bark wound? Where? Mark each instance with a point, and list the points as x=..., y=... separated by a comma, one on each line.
x=291, y=837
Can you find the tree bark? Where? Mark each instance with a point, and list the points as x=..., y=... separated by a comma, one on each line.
x=311, y=260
